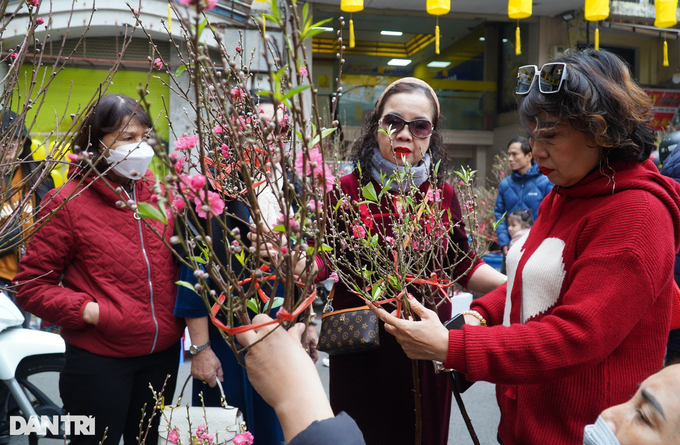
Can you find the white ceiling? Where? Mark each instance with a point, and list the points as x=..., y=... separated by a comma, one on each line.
x=548, y=8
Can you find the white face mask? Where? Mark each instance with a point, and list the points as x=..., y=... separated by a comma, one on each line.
x=131, y=160
x=599, y=434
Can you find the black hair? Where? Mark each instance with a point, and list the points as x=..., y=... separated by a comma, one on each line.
x=598, y=97
x=106, y=116
x=362, y=151
x=524, y=142
x=12, y=122
x=524, y=215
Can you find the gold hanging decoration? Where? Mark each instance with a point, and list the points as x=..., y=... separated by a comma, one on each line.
x=666, y=16
x=596, y=11
x=666, y=11
x=438, y=7
x=519, y=9
x=351, y=6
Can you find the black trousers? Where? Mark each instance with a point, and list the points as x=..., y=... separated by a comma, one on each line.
x=115, y=390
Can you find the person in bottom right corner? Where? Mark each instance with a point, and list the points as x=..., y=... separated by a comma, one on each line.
x=650, y=417
x=519, y=224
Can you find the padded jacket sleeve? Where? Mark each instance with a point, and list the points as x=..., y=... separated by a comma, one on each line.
x=48, y=254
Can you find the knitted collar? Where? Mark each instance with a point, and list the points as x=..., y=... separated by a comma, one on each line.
x=418, y=173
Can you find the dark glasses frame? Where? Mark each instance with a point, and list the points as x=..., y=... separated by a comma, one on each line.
x=545, y=87
x=406, y=123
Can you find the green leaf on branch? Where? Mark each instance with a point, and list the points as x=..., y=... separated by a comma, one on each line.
x=310, y=30
x=147, y=210
x=311, y=33
x=279, y=228
x=393, y=281
x=326, y=248
x=368, y=192
x=376, y=290
x=197, y=259
x=241, y=257
x=339, y=203
x=495, y=224
x=278, y=301
x=318, y=137
x=180, y=69
x=201, y=27
x=253, y=305
x=374, y=240
x=186, y=284
x=293, y=91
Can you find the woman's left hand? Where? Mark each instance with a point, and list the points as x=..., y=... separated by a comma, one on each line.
x=311, y=343
x=426, y=339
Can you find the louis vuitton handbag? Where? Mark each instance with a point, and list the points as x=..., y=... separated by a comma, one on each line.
x=348, y=330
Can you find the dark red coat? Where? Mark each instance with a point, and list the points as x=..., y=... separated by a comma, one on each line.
x=91, y=250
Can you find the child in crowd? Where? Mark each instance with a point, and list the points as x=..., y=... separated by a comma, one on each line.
x=519, y=224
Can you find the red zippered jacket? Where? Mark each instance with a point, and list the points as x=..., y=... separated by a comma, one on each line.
x=92, y=250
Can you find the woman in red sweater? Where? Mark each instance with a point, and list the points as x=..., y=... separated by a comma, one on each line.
x=586, y=311
x=104, y=275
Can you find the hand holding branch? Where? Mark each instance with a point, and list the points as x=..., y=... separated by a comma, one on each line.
x=426, y=339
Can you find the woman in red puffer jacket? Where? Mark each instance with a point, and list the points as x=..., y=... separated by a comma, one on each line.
x=101, y=273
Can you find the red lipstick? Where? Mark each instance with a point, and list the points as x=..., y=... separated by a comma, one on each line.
x=545, y=170
x=402, y=151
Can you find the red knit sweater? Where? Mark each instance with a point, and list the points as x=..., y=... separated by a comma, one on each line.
x=586, y=312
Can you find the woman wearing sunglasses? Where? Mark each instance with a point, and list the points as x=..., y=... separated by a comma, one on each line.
x=376, y=387
x=587, y=307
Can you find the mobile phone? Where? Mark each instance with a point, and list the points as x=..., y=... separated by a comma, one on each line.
x=462, y=384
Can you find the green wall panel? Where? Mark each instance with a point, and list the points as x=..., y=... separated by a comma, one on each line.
x=76, y=86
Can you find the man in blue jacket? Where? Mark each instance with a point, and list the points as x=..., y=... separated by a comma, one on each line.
x=524, y=189
x=671, y=168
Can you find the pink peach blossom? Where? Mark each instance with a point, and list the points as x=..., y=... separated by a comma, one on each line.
x=186, y=142
x=303, y=70
x=173, y=436
x=158, y=63
x=197, y=181
x=358, y=231
x=245, y=438
x=178, y=203
x=225, y=151
x=214, y=203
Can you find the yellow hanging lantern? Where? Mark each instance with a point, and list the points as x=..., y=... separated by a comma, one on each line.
x=666, y=17
x=519, y=9
x=351, y=6
x=438, y=7
x=666, y=11
x=595, y=11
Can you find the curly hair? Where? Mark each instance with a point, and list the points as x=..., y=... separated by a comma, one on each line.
x=598, y=97
x=363, y=148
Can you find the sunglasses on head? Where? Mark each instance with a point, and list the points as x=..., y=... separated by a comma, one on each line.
x=419, y=128
x=550, y=78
